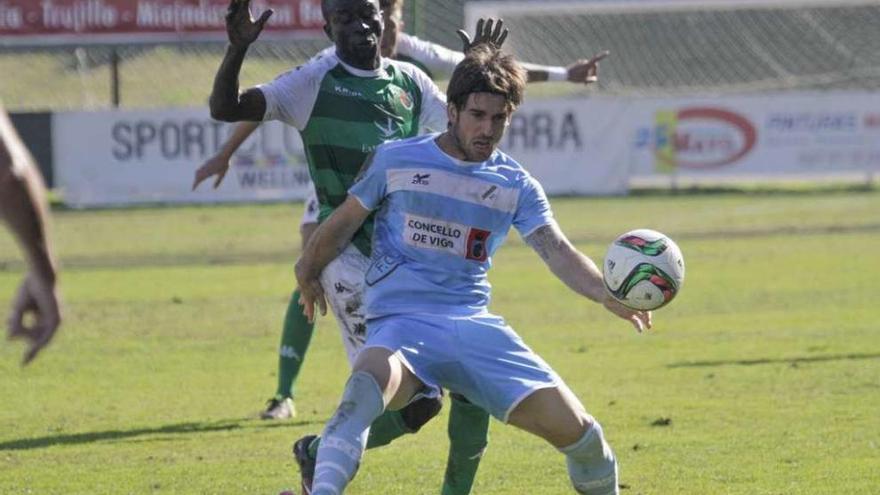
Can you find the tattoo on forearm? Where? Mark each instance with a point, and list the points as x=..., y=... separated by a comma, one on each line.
x=546, y=241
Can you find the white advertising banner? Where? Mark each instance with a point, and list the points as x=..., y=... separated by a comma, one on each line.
x=797, y=135
x=571, y=145
x=131, y=157
x=134, y=157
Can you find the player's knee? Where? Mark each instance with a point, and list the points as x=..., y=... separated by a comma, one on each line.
x=592, y=466
x=379, y=363
x=417, y=413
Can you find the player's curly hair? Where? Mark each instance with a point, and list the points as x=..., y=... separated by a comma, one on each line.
x=486, y=69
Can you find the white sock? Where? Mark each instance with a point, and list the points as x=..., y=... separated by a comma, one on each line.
x=591, y=464
x=345, y=436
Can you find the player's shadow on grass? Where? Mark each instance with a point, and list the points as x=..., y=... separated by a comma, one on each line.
x=790, y=361
x=173, y=429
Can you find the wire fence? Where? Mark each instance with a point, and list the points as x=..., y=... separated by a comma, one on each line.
x=706, y=51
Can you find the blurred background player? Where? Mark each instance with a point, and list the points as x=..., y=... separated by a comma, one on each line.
x=35, y=315
x=336, y=102
x=438, y=62
x=444, y=204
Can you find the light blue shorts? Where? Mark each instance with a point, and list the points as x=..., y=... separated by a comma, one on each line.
x=479, y=357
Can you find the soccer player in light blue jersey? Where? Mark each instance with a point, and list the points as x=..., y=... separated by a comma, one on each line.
x=445, y=203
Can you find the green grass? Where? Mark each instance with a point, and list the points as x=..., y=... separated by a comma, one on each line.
x=767, y=365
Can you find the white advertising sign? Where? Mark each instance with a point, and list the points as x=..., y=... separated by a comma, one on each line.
x=129, y=157
x=794, y=135
x=132, y=157
x=572, y=146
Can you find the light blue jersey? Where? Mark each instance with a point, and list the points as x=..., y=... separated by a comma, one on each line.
x=439, y=222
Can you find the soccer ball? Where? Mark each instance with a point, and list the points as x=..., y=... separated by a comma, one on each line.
x=643, y=269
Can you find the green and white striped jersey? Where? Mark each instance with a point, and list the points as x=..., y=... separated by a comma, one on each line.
x=343, y=113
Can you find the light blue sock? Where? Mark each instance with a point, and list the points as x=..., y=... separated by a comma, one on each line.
x=591, y=464
x=345, y=436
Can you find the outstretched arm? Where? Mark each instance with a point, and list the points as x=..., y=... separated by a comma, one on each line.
x=580, y=273
x=226, y=103
x=326, y=243
x=583, y=71
x=219, y=163
x=442, y=61
x=23, y=206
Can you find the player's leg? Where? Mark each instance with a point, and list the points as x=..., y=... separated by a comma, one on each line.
x=296, y=334
x=516, y=386
x=388, y=426
x=343, y=282
x=468, y=431
x=557, y=416
x=379, y=378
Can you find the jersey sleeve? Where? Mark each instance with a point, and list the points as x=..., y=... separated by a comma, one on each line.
x=549, y=69
x=432, y=117
x=370, y=187
x=438, y=59
x=291, y=97
x=533, y=210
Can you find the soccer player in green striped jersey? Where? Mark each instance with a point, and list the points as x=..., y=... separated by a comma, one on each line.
x=344, y=105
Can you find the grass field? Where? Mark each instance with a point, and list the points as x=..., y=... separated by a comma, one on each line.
x=763, y=377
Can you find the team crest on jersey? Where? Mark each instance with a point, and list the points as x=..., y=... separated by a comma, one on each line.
x=478, y=245
x=406, y=100
x=403, y=97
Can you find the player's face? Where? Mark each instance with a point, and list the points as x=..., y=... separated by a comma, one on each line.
x=479, y=125
x=356, y=28
x=393, y=26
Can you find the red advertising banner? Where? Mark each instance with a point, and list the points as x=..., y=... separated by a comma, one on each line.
x=52, y=22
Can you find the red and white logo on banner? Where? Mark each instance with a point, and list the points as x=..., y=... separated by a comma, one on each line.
x=90, y=21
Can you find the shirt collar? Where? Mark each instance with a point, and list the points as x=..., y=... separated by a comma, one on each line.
x=361, y=72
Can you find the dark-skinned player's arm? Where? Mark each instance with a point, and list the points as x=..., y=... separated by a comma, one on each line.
x=226, y=102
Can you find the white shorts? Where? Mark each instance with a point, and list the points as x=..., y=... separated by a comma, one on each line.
x=312, y=209
x=343, y=284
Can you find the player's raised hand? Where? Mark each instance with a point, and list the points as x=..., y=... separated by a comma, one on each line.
x=586, y=71
x=35, y=316
x=310, y=291
x=485, y=34
x=241, y=27
x=641, y=320
x=216, y=165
